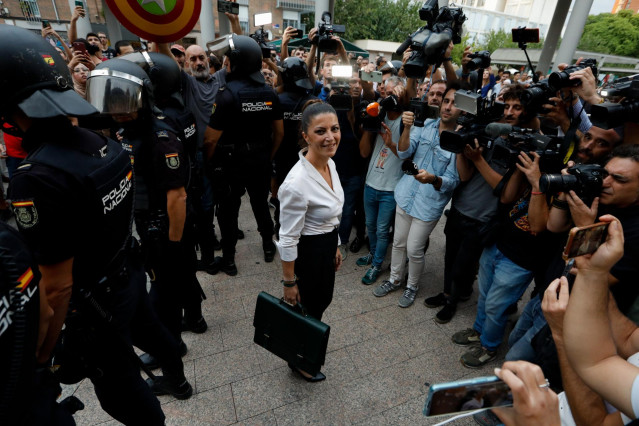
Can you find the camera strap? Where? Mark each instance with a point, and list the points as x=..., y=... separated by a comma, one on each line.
x=570, y=138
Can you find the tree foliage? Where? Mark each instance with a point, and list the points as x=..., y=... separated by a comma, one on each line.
x=612, y=34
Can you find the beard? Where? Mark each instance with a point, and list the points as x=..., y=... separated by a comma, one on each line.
x=202, y=73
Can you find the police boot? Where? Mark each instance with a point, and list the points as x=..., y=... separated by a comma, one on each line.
x=193, y=320
x=221, y=264
x=152, y=362
x=178, y=387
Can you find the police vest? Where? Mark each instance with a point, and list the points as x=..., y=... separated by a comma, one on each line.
x=19, y=313
x=105, y=177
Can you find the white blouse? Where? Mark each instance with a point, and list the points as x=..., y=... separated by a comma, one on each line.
x=308, y=205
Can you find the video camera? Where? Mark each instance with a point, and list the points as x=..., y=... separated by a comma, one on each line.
x=422, y=111
x=341, y=99
x=585, y=179
x=609, y=115
x=325, y=31
x=373, y=113
x=479, y=60
x=429, y=43
x=480, y=112
x=261, y=36
x=549, y=148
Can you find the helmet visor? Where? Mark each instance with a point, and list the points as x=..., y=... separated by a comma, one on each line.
x=115, y=93
x=221, y=45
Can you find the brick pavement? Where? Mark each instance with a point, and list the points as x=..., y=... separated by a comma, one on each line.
x=380, y=357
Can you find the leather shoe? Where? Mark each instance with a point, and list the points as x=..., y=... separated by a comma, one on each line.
x=316, y=378
x=198, y=326
x=179, y=389
x=219, y=264
x=269, y=250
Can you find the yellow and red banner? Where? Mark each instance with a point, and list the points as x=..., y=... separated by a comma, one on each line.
x=163, y=21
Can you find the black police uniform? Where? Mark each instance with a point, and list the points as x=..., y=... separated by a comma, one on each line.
x=161, y=164
x=73, y=198
x=244, y=111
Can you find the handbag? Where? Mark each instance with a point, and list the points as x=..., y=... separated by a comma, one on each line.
x=289, y=333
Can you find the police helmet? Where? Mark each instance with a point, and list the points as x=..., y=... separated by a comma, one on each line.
x=295, y=73
x=118, y=86
x=244, y=54
x=35, y=78
x=164, y=73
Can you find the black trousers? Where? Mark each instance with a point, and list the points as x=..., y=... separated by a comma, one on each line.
x=256, y=181
x=119, y=387
x=463, y=250
x=315, y=270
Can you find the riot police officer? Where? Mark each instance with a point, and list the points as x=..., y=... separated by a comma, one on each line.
x=123, y=90
x=73, y=199
x=165, y=77
x=297, y=89
x=243, y=135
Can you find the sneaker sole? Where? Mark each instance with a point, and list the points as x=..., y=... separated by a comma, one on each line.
x=466, y=344
x=441, y=321
x=474, y=367
x=406, y=306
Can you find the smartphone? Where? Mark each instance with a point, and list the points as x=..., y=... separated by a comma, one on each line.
x=298, y=34
x=585, y=239
x=79, y=46
x=79, y=3
x=409, y=167
x=467, y=395
x=374, y=76
x=342, y=71
x=228, y=6
x=46, y=23
x=525, y=35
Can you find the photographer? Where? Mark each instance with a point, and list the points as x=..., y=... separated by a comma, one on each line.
x=515, y=112
x=384, y=171
x=619, y=197
x=508, y=266
x=471, y=218
x=421, y=198
x=595, y=344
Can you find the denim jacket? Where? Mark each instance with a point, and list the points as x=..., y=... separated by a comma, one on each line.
x=423, y=201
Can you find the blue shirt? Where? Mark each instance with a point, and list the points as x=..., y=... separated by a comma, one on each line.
x=423, y=201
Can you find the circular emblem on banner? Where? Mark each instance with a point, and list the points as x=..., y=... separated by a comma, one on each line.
x=163, y=21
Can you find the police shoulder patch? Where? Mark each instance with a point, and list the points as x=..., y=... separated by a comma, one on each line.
x=172, y=161
x=25, y=212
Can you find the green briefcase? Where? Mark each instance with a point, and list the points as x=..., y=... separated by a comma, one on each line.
x=290, y=334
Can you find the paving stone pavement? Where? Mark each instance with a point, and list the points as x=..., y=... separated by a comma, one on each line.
x=380, y=361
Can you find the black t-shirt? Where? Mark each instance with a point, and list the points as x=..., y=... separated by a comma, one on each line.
x=245, y=112
x=626, y=270
x=109, y=53
x=519, y=244
x=287, y=154
x=17, y=343
x=348, y=160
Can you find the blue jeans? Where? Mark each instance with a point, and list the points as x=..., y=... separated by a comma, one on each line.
x=501, y=283
x=380, y=209
x=352, y=185
x=530, y=322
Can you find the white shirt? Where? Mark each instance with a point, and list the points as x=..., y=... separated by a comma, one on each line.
x=308, y=205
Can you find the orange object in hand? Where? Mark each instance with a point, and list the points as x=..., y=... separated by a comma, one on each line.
x=373, y=109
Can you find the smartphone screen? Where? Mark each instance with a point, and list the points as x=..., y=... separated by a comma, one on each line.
x=467, y=395
x=585, y=240
x=46, y=23
x=79, y=3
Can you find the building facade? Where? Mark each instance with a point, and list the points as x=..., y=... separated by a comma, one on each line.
x=625, y=4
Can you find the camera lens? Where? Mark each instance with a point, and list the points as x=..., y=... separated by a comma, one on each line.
x=554, y=183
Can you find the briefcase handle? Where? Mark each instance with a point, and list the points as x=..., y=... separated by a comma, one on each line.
x=299, y=307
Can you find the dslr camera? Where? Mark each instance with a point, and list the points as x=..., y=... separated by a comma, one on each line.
x=325, y=31
x=585, y=179
x=561, y=79
x=479, y=60
x=429, y=43
x=609, y=115
x=537, y=95
x=422, y=111
x=479, y=113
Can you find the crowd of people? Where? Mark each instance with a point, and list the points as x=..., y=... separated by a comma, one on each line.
x=165, y=138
